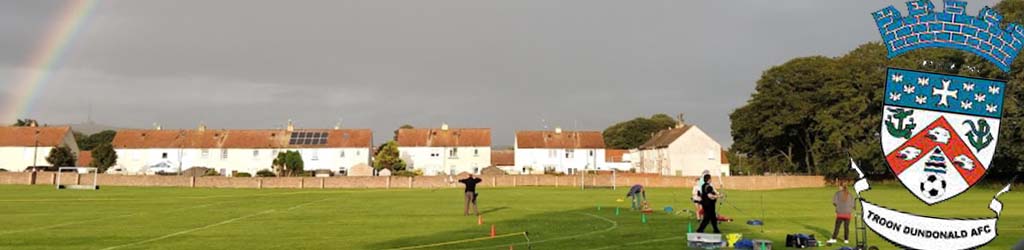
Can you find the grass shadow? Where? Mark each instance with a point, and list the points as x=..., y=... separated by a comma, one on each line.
x=492, y=210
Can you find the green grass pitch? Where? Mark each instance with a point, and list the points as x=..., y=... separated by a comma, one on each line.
x=39, y=217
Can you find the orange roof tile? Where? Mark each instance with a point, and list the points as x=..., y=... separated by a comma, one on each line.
x=336, y=138
x=503, y=157
x=614, y=155
x=26, y=136
x=665, y=137
x=565, y=139
x=84, y=158
x=457, y=137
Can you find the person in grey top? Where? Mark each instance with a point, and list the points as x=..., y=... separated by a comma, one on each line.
x=844, y=203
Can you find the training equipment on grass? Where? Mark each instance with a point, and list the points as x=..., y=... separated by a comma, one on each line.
x=668, y=209
x=78, y=182
x=643, y=218
x=619, y=200
x=492, y=231
x=616, y=211
x=479, y=219
x=591, y=179
x=704, y=241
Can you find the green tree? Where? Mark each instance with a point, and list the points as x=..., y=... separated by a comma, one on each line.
x=103, y=157
x=61, y=157
x=288, y=163
x=633, y=133
x=92, y=141
x=387, y=157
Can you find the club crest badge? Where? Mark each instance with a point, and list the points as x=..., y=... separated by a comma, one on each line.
x=938, y=131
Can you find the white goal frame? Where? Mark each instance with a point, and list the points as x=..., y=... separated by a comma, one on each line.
x=79, y=171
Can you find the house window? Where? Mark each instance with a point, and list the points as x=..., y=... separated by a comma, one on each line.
x=357, y=152
x=206, y=153
x=433, y=154
x=569, y=153
x=552, y=153
x=476, y=170
x=273, y=153
x=315, y=157
x=163, y=156
x=591, y=152
x=453, y=153
x=476, y=152
x=342, y=153
x=255, y=153
x=223, y=153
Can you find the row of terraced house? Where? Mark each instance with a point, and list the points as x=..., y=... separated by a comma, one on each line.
x=684, y=150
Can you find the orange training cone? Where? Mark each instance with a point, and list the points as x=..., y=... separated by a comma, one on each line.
x=510, y=247
x=479, y=219
x=492, y=230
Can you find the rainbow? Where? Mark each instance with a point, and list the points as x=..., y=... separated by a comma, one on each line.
x=45, y=59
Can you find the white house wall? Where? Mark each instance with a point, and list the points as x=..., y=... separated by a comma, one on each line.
x=135, y=161
x=16, y=159
x=437, y=161
x=538, y=159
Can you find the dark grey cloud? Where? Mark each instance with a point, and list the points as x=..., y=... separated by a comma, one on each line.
x=505, y=65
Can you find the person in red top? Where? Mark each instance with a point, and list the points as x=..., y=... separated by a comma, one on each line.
x=470, y=193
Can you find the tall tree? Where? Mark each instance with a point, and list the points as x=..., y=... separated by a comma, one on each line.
x=388, y=158
x=61, y=157
x=94, y=140
x=103, y=157
x=633, y=133
x=288, y=163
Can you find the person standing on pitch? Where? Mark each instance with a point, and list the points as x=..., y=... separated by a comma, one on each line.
x=638, y=194
x=695, y=194
x=708, y=198
x=844, y=203
x=471, y=194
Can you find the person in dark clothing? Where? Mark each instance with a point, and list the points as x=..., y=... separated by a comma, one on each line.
x=638, y=195
x=470, y=193
x=708, y=198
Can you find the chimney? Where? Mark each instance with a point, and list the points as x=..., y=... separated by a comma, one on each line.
x=202, y=127
x=558, y=130
x=33, y=123
x=680, y=121
x=290, y=127
x=157, y=126
x=444, y=126
x=337, y=126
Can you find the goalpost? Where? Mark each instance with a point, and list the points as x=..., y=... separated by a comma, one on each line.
x=79, y=182
x=594, y=179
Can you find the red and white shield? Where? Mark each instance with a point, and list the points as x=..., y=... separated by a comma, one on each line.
x=939, y=132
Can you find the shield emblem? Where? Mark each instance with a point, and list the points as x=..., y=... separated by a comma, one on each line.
x=939, y=132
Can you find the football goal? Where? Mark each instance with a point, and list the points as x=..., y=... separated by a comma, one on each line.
x=83, y=178
x=595, y=179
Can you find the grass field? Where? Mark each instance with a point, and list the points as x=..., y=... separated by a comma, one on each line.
x=39, y=217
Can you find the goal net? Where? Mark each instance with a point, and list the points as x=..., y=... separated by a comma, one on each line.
x=84, y=178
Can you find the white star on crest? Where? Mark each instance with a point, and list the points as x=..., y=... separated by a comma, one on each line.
x=966, y=105
x=909, y=89
x=923, y=81
x=993, y=89
x=979, y=97
x=968, y=86
x=897, y=77
x=895, y=96
x=921, y=99
x=990, y=108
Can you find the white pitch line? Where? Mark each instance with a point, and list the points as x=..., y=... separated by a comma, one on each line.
x=614, y=226
x=212, y=225
x=190, y=230
x=103, y=218
x=640, y=242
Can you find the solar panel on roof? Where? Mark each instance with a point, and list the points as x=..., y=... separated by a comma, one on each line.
x=308, y=138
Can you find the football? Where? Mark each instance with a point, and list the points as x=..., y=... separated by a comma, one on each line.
x=933, y=186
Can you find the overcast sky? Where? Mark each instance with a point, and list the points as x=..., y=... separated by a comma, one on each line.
x=505, y=65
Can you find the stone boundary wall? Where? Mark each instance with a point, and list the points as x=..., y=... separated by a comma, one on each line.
x=386, y=182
